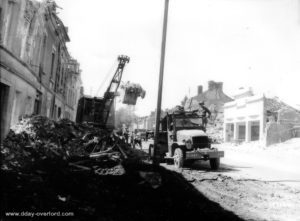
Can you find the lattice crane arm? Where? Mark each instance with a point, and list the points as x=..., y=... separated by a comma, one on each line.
x=111, y=91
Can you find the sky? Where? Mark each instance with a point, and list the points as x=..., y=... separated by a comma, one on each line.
x=242, y=43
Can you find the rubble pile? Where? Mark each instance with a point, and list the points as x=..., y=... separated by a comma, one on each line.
x=39, y=138
x=45, y=162
x=63, y=167
x=215, y=128
x=132, y=92
x=215, y=131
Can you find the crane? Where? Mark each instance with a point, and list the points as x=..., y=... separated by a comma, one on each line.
x=96, y=111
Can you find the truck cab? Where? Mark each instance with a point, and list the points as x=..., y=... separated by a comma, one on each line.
x=182, y=140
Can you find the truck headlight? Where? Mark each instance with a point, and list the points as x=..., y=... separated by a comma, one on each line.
x=188, y=144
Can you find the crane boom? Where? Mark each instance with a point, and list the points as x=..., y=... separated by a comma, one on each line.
x=111, y=91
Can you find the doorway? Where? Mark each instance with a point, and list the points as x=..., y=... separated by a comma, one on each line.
x=4, y=92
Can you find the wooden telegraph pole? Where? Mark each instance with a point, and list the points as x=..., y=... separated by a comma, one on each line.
x=160, y=83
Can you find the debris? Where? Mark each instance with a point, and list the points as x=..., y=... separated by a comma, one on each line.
x=122, y=151
x=47, y=167
x=154, y=179
x=64, y=199
x=132, y=92
x=38, y=138
x=99, y=155
x=79, y=166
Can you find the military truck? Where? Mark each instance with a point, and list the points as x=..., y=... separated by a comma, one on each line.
x=182, y=140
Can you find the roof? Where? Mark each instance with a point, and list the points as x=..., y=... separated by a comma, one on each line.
x=209, y=97
x=274, y=105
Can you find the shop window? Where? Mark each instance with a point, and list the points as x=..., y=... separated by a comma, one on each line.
x=255, y=131
x=242, y=132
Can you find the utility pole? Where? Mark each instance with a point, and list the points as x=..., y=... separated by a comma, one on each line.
x=160, y=83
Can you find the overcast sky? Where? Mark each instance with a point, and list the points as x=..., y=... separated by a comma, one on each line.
x=239, y=42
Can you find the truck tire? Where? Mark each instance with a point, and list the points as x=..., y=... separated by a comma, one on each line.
x=214, y=163
x=178, y=158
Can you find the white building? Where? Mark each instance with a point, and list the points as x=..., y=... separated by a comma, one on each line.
x=244, y=118
x=254, y=117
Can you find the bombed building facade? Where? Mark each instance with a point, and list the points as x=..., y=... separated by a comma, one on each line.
x=258, y=118
x=38, y=75
x=214, y=97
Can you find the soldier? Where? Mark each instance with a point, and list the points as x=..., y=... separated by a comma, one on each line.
x=203, y=113
x=125, y=133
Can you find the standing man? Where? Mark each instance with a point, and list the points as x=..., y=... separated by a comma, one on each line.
x=125, y=133
x=204, y=111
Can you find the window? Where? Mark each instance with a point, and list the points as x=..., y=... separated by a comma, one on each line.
x=43, y=51
x=7, y=27
x=28, y=106
x=62, y=76
x=242, y=132
x=59, y=112
x=54, y=111
x=52, y=64
x=255, y=130
x=1, y=26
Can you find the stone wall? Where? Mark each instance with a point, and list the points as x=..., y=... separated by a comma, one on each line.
x=286, y=127
x=277, y=133
x=289, y=116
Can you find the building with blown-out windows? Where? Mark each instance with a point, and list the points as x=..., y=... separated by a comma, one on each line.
x=259, y=118
x=38, y=75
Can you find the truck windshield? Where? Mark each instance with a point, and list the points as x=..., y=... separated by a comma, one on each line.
x=188, y=122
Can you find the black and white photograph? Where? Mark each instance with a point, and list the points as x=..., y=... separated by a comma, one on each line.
x=155, y=110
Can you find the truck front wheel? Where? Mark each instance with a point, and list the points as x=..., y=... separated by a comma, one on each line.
x=178, y=158
x=214, y=163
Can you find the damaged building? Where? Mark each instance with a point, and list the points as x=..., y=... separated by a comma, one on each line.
x=258, y=118
x=214, y=99
x=38, y=75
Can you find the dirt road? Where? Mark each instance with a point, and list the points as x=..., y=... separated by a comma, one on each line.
x=253, y=191
x=262, y=166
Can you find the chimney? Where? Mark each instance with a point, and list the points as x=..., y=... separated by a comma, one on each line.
x=211, y=85
x=200, y=89
x=220, y=86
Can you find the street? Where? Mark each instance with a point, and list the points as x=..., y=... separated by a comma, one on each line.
x=253, y=166
x=254, y=185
